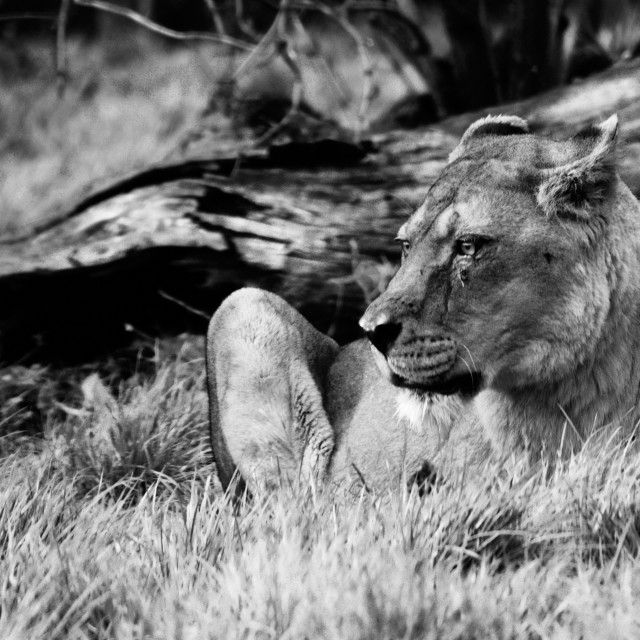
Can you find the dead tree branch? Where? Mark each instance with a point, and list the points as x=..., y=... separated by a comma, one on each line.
x=310, y=220
x=216, y=17
x=165, y=31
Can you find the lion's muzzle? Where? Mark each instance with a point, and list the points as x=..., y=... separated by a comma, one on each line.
x=408, y=356
x=422, y=360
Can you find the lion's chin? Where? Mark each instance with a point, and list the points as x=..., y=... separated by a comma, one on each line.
x=463, y=385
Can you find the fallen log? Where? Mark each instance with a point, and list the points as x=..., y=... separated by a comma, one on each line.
x=312, y=220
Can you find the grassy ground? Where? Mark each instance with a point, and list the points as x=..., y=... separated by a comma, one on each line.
x=112, y=525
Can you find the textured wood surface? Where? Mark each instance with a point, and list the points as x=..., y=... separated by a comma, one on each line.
x=313, y=221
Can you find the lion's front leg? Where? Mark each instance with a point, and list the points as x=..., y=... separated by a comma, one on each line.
x=266, y=369
x=311, y=428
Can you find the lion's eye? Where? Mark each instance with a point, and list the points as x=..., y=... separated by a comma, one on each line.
x=405, y=244
x=467, y=246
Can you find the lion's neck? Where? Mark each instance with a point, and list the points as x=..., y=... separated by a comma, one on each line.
x=558, y=419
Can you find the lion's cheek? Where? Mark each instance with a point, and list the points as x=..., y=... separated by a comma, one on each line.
x=491, y=323
x=474, y=307
x=568, y=323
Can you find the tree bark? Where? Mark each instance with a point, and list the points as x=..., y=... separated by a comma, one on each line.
x=313, y=220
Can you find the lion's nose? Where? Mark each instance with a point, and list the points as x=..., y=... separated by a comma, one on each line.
x=381, y=331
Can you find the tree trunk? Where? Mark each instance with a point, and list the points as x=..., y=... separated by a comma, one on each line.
x=313, y=221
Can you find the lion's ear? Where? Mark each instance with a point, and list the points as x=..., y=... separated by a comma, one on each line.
x=489, y=126
x=576, y=187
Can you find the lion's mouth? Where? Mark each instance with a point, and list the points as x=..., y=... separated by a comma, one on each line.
x=423, y=359
x=427, y=364
x=421, y=368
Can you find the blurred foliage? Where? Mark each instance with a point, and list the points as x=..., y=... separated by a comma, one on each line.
x=454, y=55
x=127, y=103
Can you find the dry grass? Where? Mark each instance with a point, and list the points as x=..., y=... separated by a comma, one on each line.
x=113, y=526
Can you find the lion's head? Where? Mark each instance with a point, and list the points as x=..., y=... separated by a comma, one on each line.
x=507, y=269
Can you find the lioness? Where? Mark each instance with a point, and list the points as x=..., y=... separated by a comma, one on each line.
x=512, y=325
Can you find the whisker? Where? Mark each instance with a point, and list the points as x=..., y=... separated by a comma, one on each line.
x=470, y=356
x=466, y=364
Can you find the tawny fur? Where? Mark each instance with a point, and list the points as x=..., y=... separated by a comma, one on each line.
x=545, y=316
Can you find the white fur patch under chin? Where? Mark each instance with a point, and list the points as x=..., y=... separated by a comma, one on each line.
x=427, y=411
